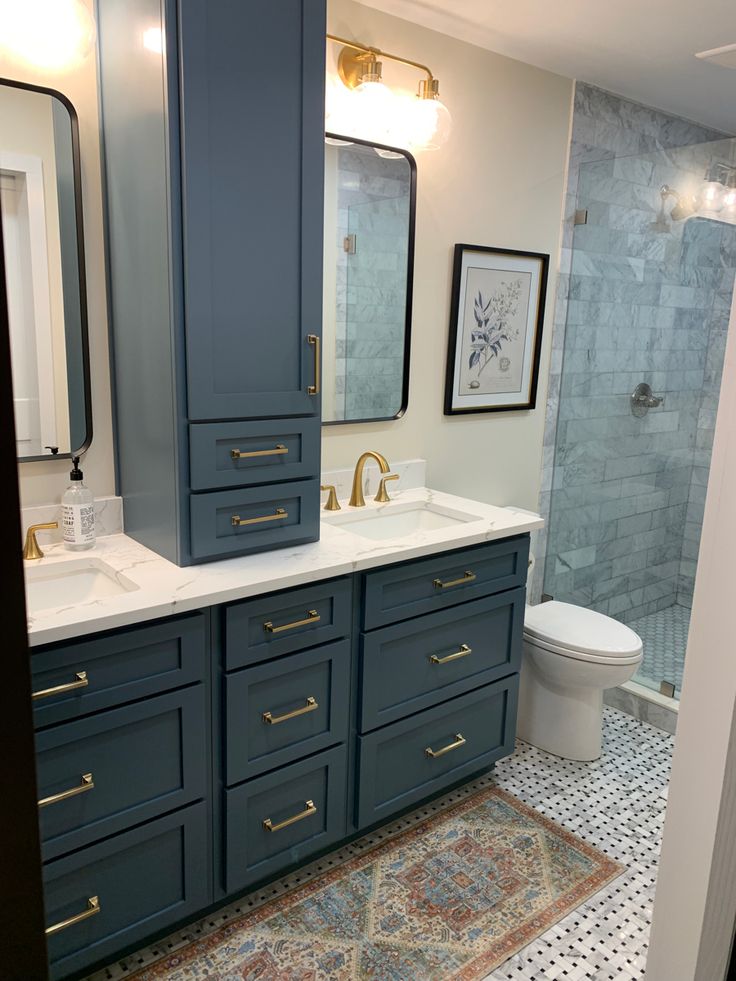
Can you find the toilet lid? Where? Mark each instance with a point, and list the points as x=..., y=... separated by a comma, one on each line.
x=575, y=629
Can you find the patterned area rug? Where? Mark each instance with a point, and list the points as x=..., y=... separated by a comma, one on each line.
x=448, y=900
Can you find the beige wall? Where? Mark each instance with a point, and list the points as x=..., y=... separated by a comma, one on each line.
x=42, y=483
x=695, y=904
x=499, y=181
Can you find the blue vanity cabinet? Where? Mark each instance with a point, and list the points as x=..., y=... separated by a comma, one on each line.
x=214, y=172
x=123, y=760
x=225, y=748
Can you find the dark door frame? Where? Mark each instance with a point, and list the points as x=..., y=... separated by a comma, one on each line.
x=22, y=939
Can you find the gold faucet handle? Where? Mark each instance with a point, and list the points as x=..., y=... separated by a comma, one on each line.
x=382, y=495
x=31, y=548
x=332, y=502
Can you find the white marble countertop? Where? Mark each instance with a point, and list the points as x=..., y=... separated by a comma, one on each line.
x=165, y=589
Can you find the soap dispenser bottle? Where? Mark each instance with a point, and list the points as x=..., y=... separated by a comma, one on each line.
x=78, y=512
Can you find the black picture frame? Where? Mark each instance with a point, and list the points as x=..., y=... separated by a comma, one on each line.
x=409, y=278
x=77, y=346
x=454, y=350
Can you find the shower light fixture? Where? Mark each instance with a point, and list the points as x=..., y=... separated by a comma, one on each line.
x=716, y=196
x=360, y=104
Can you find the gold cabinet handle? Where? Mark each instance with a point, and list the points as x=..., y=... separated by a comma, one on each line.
x=309, y=810
x=466, y=578
x=93, y=908
x=86, y=783
x=311, y=617
x=463, y=652
x=280, y=515
x=81, y=682
x=311, y=705
x=278, y=450
x=458, y=741
x=314, y=340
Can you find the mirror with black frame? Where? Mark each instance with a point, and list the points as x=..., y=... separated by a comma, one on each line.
x=41, y=207
x=370, y=205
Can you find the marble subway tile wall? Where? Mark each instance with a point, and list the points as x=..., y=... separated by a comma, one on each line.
x=373, y=205
x=623, y=495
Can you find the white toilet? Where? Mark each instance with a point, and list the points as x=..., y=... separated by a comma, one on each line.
x=570, y=656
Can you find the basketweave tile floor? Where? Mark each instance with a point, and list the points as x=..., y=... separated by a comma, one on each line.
x=617, y=804
x=664, y=636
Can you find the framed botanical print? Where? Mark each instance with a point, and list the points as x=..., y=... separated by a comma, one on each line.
x=496, y=319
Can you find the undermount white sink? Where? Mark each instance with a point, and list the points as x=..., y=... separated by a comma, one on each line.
x=398, y=520
x=72, y=581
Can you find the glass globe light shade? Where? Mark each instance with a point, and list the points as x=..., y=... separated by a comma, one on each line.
x=372, y=112
x=728, y=207
x=338, y=109
x=711, y=195
x=54, y=35
x=430, y=124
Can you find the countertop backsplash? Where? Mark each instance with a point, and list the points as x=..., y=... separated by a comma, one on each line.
x=108, y=518
x=412, y=474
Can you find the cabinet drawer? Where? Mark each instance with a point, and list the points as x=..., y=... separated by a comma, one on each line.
x=279, y=623
x=467, y=734
x=144, y=881
x=282, y=710
x=127, y=765
x=440, y=655
x=304, y=807
x=71, y=680
x=252, y=519
x=235, y=454
x=413, y=588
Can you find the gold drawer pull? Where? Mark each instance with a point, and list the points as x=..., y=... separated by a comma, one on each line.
x=93, y=907
x=463, y=652
x=468, y=577
x=313, y=339
x=311, y=705
x=311, y=617
x=309, y=810
x=278, y=450
x=456, y=744
x=87, y=783
x=280, y=515
x=81, y=682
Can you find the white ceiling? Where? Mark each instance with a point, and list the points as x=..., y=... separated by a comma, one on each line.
x=642, y=49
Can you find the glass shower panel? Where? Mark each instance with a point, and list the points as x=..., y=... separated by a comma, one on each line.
x=650, y=291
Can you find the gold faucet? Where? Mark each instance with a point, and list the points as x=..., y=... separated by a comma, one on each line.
x=31, y=548
x=356, y=498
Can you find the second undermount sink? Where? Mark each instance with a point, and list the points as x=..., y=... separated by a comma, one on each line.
x=72, y=581
x=398, y=520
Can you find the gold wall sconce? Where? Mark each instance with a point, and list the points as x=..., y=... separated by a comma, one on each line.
x=360, y=104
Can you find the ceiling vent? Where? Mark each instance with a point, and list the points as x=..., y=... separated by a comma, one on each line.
x=725, y=56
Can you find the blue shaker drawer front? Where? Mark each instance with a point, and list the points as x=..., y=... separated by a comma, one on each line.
x=419, y=756
x=102, y=774
x=236, y=454
x=280, y=623
x=408, y=590
x=141, y=882
x=84, y=676
x=283, y=817
x=438, y=656
x=237, y=522
x=285, y=709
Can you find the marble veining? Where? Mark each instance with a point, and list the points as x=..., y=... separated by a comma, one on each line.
x=108, y=517
x=166, y=589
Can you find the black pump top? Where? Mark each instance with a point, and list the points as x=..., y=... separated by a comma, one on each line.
x=76, y=473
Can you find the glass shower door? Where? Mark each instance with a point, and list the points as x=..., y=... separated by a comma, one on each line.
x=649, y=296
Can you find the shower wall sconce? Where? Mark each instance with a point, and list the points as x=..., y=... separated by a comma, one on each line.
x=716, y=196
x=360, y=104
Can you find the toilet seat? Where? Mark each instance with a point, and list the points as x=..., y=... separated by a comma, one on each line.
x=581, y=634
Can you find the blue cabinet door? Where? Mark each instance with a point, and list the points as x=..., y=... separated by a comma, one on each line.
x=252, y=109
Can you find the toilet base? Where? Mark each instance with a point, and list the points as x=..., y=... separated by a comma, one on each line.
x=566, y=722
